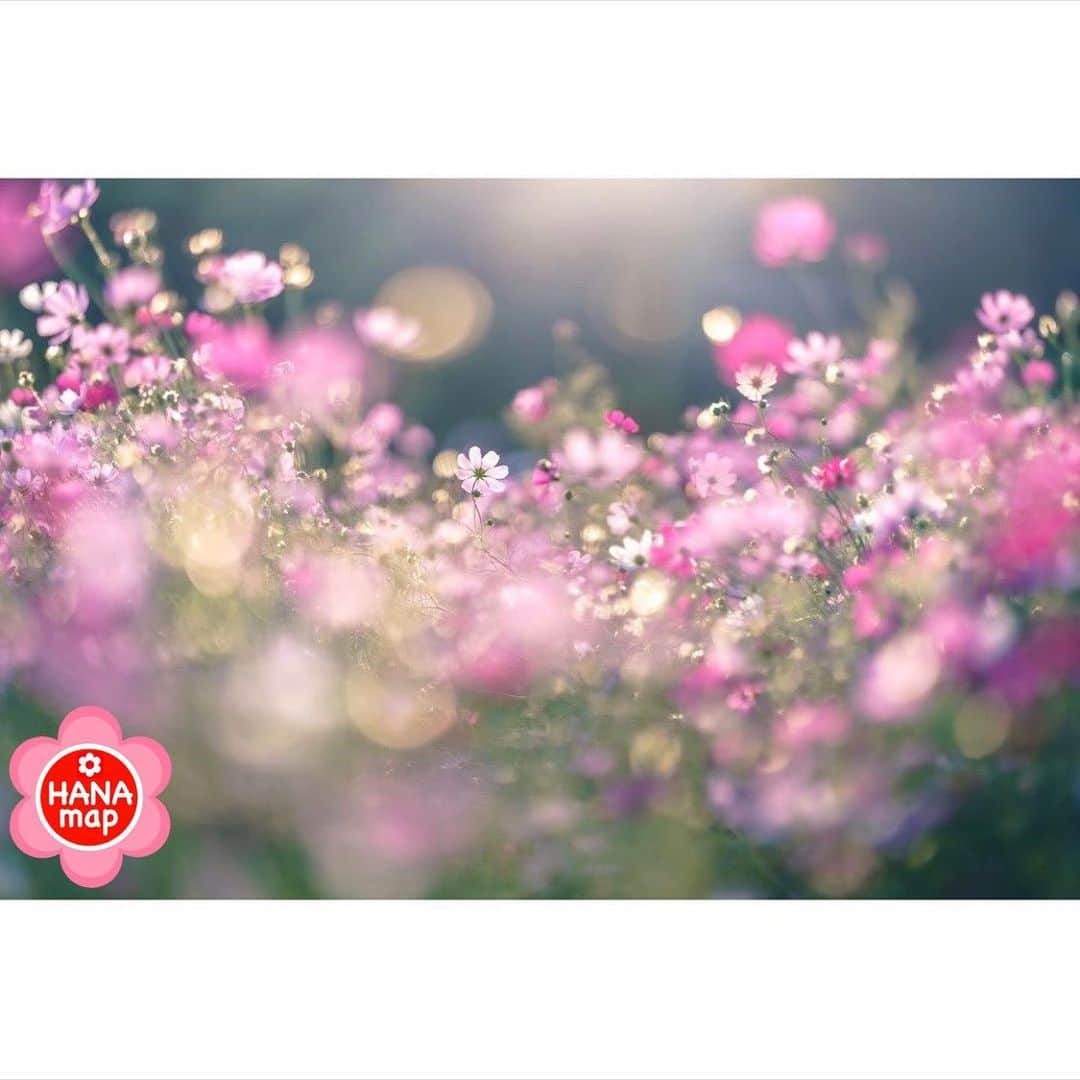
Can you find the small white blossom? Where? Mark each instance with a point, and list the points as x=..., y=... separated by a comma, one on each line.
x=481, y=474
x=632, y=554
x=754, y=382
x=14, y=345
x=33, y=296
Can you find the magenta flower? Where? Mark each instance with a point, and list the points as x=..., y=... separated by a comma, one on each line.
x=1003, y=311
x=1039, y=373
x=760, y=340
x=793, y=230
x=58, y=208
x=620, y=421
x=62, y=311
x=834, y=473
x=120, y=813
x=250, y=277
x=481, y=474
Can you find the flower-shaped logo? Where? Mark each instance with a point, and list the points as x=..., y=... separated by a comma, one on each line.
x=90, y=795
x=89, y=764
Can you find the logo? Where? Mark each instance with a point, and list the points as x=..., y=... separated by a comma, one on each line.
x=90, y=796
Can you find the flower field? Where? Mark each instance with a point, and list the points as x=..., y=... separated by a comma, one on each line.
x=821, y=640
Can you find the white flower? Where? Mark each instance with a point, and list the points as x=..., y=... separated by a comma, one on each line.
x=481, y=474
x=89, y=764
x=14, y=345
x=632, y=554
x=755, y=382
x=33, y=296
x=67, y=404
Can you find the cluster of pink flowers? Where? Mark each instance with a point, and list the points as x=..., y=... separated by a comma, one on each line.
x=800, y=616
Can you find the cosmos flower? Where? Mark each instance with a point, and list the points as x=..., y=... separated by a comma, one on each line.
x=481, y=474
x=1003, y=311
x=62, y=311
x=14, y=345
x=711, y=476
x=814, y=355
x=793, y=230
x=632, y=554
x=33, y=296
x=250, y=277
x=132, y=286
x=58, y=207
x=760, y=340
x=619, y=421
x=755, y=383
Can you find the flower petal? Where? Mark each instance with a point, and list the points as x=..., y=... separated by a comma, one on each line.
x=88, y=723
x=28, y=761
x=150, y=832
x=490, y=460
x=91, y=869
x=475, y=457
x=151, y=762
x=29, y=834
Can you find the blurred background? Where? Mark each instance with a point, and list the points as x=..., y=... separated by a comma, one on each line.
x=633, y=264
x=498, y=273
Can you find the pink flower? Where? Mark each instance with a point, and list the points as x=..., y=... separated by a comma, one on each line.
x=814, y=355
x=481, y=474
x=58, y=208
x=250, y=277
x=384, y=328
x=1039, y=373
x=100, y=347
x=63, y=310
x=760, y=340
x=755, y=383
x=712, y=475
x=834, y=473
x=1002, y=311
x=148, y=370
x=533, y=403
x=605, y=459
x=132, y=286
x=619, y=421
x=241, y=352
x=90, y=744
x=793, y=230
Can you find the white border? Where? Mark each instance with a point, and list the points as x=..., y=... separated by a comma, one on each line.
x=669, y=89
x=542, y=88
x=540, y=990
x=63, y=752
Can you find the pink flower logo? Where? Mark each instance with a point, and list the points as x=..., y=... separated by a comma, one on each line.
x=90, y=795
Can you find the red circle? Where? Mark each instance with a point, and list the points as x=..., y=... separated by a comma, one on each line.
x=88, y=797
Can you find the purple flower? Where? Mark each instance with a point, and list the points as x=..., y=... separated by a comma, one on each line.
x=58, y=208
